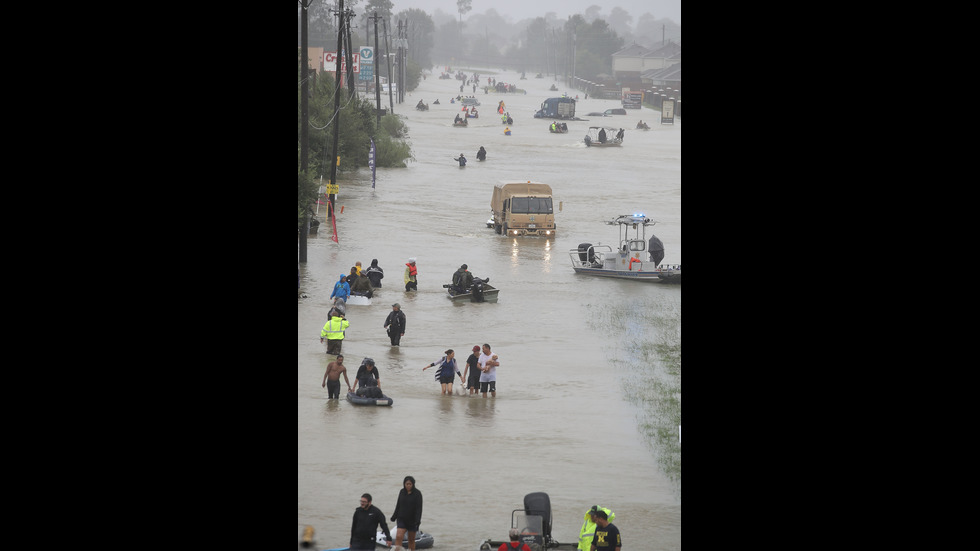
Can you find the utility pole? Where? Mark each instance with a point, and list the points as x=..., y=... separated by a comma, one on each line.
x=377, y=77
x=336, y=108
x=304, y=132
x=391, y=105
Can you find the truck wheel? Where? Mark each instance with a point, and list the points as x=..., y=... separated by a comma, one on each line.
x=496, y=228
x=505, y=228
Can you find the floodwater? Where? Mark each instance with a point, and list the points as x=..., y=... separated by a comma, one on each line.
x=580, y=384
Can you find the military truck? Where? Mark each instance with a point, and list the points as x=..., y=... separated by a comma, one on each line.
x=523, y=208
x=556, y=108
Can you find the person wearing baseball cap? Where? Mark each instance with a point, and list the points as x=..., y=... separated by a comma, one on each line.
x=588, y=527
x=471, y=373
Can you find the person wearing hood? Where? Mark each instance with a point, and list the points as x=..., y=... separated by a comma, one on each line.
x=408, y=512
x=481, y=155
x=411, y=275
x=375, y=273
x=588, y=527
x=362, y=286
x=334, y=331
x=341, y=289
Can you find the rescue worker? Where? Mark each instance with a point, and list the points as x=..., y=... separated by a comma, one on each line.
x=588, y=527
x=334, y=330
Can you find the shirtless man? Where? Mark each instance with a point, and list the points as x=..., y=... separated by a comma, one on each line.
x=331, y=379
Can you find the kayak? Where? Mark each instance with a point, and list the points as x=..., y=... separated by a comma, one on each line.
x=423, y=540
x=365, y=401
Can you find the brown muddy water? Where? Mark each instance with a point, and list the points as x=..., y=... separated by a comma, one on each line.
x=588, y=390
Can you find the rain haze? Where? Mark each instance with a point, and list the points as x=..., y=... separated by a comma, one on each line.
x=517, y=10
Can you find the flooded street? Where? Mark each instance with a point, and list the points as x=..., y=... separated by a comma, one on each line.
x=582, y=389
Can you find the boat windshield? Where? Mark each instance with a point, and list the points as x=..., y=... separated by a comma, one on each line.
x=531, y=205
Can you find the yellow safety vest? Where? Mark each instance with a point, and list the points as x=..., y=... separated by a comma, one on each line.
x=334, y=331
x=588, y=529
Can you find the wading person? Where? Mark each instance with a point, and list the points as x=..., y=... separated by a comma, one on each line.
x=375, y=273
x=488, y=371
x=411, y=275
x=408, y=513
x=472, y=371
x=333, y=331
x=331, y=379
x=395, y=324
x=447, y=371
x=364, y=528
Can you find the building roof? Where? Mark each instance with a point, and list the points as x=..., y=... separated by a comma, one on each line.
x=667, y=73
x=633, y=50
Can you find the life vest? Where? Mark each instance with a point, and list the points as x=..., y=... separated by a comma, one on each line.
x=412, y=270
x=588, y=529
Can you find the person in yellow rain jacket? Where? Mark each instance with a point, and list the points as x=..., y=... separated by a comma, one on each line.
x=333, y=330
x=588, y=527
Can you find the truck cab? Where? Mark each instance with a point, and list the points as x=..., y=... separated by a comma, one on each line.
x=523, y=208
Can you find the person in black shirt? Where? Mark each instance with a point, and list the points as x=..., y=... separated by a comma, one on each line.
x=606, y=534
x=364, y=528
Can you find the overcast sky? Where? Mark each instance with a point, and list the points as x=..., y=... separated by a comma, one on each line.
x=521, y=9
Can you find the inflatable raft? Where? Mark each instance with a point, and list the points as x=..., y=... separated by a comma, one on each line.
x=385, y=400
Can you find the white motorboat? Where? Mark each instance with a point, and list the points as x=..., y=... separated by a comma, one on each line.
x=629, y=260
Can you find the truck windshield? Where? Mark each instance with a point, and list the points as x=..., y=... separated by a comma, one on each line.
x=531, y=205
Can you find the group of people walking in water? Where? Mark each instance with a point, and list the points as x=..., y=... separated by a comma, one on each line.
x=479, y=374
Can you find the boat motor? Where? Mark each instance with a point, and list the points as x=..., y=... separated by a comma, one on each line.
x=477, y=289
x=586, y=253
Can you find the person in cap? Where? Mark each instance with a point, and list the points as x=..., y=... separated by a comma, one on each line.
x=515, y=542
x=607, y=536
x=461, y=159
x=395, y=324
x=411, y=275
x=462, y=279
x=588, y=527
x=471, y=373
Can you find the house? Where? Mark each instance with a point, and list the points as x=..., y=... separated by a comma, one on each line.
x=640, y=67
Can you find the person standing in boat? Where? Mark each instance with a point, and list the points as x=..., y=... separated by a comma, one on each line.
x=411, y=275
x=331, y=379
x=588, y=527
x=364, y=528
x=607, y=536
x=395, y=324
x=471, y=373
x=656, y=250
x=488, y=371
x=408, y=513
x=375, y=274
x=602, y=135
